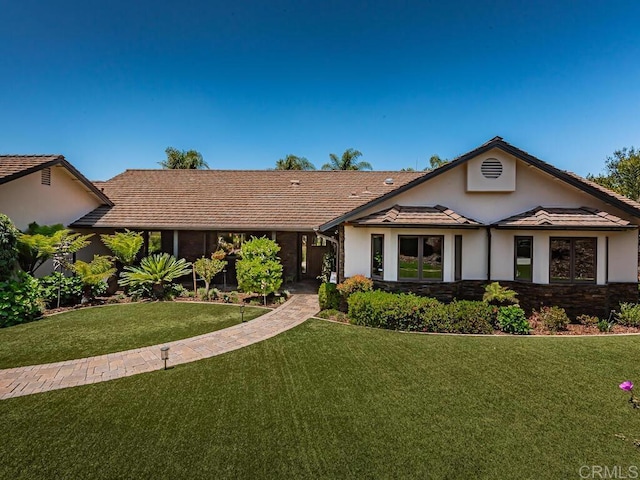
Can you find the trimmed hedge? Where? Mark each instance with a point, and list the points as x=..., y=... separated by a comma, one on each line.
x=396, y=311
x=412, y=313
x=328, y=297
x=460, y=316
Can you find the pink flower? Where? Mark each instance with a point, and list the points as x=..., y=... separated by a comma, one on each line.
x=627, y=386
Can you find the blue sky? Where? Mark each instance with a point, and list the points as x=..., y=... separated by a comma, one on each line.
x=111, y=84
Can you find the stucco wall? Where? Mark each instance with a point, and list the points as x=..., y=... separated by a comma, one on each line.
x=533, y=188
x=26, y=200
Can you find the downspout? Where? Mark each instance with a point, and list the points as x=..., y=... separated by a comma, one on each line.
x=488, y=254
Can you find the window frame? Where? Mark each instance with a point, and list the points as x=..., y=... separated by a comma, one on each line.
x=572, y=261
x=515, y=258
x=374, y=274
x=420, y=278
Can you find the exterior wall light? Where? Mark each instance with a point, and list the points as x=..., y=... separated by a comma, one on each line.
x=164, y=355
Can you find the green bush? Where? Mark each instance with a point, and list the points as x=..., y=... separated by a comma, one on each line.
x=553, y=318
x=70, y=290
x=328, y=297
x=629, y=315
x=389, y=310
x=8, y=247
x=259, y=270
x=19, y=300
x=587, y=320
x=605, y=326
x=496, y=294
x=459, y=316
x=512, y=319
x=357, y=283
x=333, y=314
x=153, y=278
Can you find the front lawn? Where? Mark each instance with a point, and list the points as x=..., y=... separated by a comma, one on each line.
x=325, y=400
x=96, y=331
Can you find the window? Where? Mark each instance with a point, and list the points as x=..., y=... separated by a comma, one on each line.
x=231, y=242
x=377, y=256
x=572, y=260
x=420, y=257
x=523, y=268
x=457, y=271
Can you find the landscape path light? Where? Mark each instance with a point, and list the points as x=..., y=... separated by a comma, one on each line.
x=164, y=355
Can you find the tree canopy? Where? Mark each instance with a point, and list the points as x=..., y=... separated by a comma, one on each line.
x=293, y=162
x=181, y=159
x=622, y=173
x=348, y=161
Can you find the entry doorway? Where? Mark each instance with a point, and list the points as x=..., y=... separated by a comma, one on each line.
x=311, y=250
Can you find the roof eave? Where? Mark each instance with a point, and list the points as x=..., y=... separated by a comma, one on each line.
x=60, y=160
x=496, y=142
x=414, y=225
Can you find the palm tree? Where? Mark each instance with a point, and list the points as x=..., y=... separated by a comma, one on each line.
x=347, y=162
x=293, y=162
x=181, y=159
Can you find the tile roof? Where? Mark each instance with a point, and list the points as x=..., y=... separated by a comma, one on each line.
x=14, y=166
x=236, y=199
x=623, y=203
x=400, y=216
x=574, y=218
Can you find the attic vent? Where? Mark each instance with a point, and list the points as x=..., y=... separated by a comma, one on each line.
x=491, y=168
x=353, y=194
x=45, y=176
x=295, y=182
x=388, y=181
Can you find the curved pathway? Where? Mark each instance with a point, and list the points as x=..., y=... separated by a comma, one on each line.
x=19, y=381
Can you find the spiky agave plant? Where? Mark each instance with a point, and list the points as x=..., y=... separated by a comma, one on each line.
x=155, y=273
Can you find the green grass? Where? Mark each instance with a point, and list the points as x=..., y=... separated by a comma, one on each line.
x=95, y=331
x=332, y=401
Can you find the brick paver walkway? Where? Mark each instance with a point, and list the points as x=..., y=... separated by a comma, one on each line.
x=19, y=381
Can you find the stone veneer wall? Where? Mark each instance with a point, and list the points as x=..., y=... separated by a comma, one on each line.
x=288, y=242
x=575, y=299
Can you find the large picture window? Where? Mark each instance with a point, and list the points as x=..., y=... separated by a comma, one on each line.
x=572, y=260
x=523, y=264
x=377, y=256
x=420, y=257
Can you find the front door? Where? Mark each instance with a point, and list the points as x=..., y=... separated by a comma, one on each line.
x=312, y=249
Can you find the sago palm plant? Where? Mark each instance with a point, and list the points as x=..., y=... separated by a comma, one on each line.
x=155, y=274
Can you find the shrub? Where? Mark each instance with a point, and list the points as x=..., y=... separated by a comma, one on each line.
x=259, y=270
x=333, y=314
x=93, y=274
x=154, y=276
x=19, y=300
x=605, y=326
x=208, y=268
x=70, y=290
x=389, y=310
x=8, y=247
x=328, y=296
x=553, y=318
x=512, y=319
x=496, y=294
x=328, y=266
x=587, y=320
x=463, y=316
x=629, y=315
x=357, y=283
x=124, y=245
